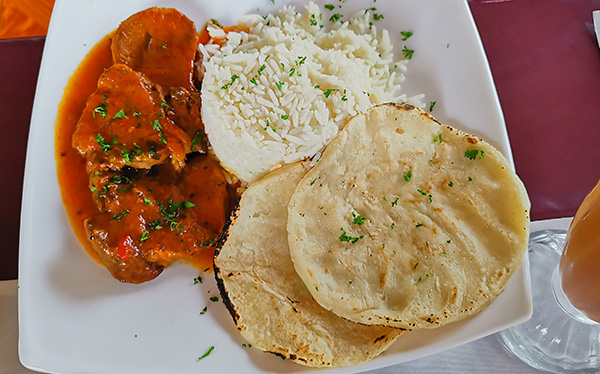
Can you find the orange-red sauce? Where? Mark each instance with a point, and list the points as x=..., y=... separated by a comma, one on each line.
x=72, y=177
x=71, y=166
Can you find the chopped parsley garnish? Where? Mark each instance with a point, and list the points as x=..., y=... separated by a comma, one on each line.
x=292, y=71
x=406, y=35
x=285, y=116
x=260, y=70
x=470, y=179
x=329, y=7
x=377, y=17
x=301, y=60
x=120, y=114
x=358, y=219
x=161, y=137
x=407, y=53
x=414, y=267
x=156, y=125
x=408, y=175
x=419, y=224
x=129, y=155
x=395, y=202
x=204, y=310
x=101, y=110
x=197, y=139
x=197, y=280
x=279, y=85
x=123, y=213
x=145, y=236
x=104, y=145
x=425, y=194
x=438, y=139
x=212, y=348
x=336, y=17
x=350, y=239
x=164, y=105
x=370, y=9
x=136, y=114
x=431, y=105
x=253, y=81
x=147, y=201
x=472, y=154
x=234, y=77
x=450, y=184
x=214, y=299
x=164, y=46
x=329, y=91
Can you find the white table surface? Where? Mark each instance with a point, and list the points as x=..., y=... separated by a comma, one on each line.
x=485, y=355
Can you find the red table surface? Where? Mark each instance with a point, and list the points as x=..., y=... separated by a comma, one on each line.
x=546, y=66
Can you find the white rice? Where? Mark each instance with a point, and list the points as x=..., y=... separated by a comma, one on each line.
x=281, y=91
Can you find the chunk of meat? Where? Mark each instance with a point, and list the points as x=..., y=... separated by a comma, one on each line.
x=124, y=124
x=120, y=252
x=161, y=43
x=184, y=110
x=151, y=218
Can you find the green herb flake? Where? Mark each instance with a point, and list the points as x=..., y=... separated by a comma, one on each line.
x=212, y=348
x=101, y=110
x=329, y=91
x=438, y=139
x=123, y=213
x=234, y=77
x=470, y=179
x=351, y=239
x=260, y=70
x=104, y=145
x=419, y=224
x=407, y=53
x=147, y=201
x=214, y=299
x=472, y=154
x=284, y=117
x=204, y=310
x=335, y=17
x=450, y=184
x=164, y=46
x=279, y=85
x=145, y=236
x=358, y=219
x=431, y=105
x=197, y=280
x=136, y=114
x=329, y=7
x=377, y=17
x=406, y=35
x=161, y=137
x=414, y=267
x=395, y=202
x=156, y=125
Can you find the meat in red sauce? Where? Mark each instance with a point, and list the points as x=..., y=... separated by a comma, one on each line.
x=161, y=43
x=158, y=196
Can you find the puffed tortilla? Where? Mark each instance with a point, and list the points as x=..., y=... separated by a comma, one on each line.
x=269, y=303
x=406, y=222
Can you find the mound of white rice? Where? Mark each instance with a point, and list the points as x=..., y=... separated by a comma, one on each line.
x=281, y=91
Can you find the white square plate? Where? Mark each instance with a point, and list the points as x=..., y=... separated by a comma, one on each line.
x=74, y=317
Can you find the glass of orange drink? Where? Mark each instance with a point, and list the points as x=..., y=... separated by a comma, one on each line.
x=563, y=334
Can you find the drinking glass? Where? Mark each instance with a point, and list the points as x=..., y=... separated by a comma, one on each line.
x=563, y=334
